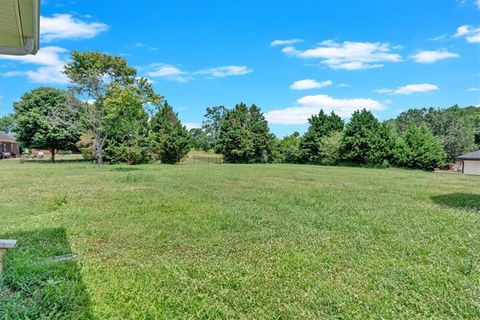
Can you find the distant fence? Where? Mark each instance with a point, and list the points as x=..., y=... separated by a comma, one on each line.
x=196, y=159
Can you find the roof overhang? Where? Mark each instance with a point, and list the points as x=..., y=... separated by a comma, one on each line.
x=19, y=26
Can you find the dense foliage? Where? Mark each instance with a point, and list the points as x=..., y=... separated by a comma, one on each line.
x=244, y=135
x=43, y=120
x=321, y=126
x=418, y=148
x=95, y=77
x=366, y=140
x=458, y=129
x=7, y=123
x=170, y=138
x=116, y=122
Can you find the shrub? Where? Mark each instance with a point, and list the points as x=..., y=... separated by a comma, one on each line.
x=418, y=148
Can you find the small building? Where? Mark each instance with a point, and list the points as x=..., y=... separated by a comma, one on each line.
x=8, y=146
x=471, y=163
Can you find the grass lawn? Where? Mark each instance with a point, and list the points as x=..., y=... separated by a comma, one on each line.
x=238, y=241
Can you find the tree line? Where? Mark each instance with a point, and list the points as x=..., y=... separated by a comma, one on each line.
x=111, y=114
x=417, y=138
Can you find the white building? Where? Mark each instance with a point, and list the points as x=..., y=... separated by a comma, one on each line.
x=471, y=163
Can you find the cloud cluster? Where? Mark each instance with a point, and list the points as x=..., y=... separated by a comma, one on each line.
x=173, y=73
x=65, y=26
x=410, y=89
x=49, y=61
x=309, y=105
x=433, y=56
x=285, y=42
x=348, y=55
x=309, y=84
x=470, y=33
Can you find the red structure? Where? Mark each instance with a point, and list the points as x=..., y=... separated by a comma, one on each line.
x=8, y=146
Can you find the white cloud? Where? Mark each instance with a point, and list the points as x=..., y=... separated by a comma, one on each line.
x=342, y=85
x=226, y=71
x=285, y=42
x=308, y=105
x=50, y=60
x=309, y=84
x=192, y=125
x=410, y=89
x=348, y=55
x=473, y=89
x=433, y=56
x=478, y=4
x=174, y=73
x=65, y=26
x=169, y=72
x=470, y=33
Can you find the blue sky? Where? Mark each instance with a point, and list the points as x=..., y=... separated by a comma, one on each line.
x=291, y=58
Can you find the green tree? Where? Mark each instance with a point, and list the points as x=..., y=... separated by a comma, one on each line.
x=92, y=75
x=455, y=127
x=7, y=123
x=127, y=121
x=171, y=139
x=330, y=148
x=418, y=148
x=211, y=124
x=244, y=136
x=321, y=125
x=44, y=120
x=367, y=141
x=287, y=149
x=200, y=139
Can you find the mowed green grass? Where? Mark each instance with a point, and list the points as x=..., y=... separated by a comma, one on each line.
x=238, y=241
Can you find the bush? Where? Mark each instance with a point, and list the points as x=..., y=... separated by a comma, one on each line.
x=418, y=148
x=86, y=145
x=330, y=148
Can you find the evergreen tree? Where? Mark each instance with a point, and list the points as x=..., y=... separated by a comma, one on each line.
x=418, y=148
x=244, y=135
x=366, y=141
x=321, y=125
x=170, y=138
x=127, y=123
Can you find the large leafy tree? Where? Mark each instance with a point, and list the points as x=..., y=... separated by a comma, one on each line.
x=200, y=139
x=170, y=138
x=44, y=120
x=211, y=124
x=92, y=75
x=418, y=148
x=244, y=135
x=456, y=128
x=366, y=140
x=7, y=123
x=321, y=125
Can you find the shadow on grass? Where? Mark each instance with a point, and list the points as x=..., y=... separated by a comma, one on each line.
x=36, y=286
x=463, y=201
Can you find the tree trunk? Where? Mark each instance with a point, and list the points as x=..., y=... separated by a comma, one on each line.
x=99, y=150
x=53, y=154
